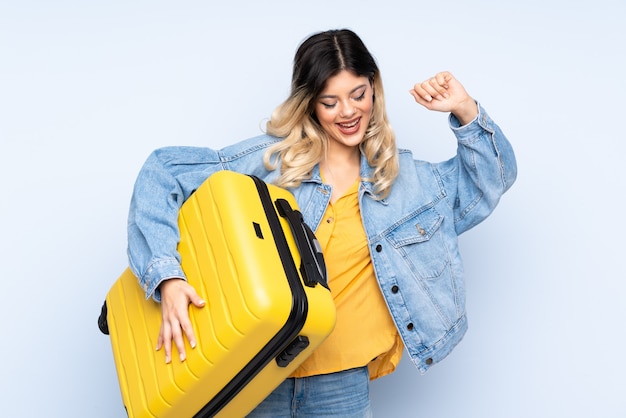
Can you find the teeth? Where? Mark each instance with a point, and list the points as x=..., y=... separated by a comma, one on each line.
x=350, y=125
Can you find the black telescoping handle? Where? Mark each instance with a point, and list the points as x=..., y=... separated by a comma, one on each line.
x=312, y=266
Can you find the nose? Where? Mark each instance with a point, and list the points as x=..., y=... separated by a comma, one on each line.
x=347, y=109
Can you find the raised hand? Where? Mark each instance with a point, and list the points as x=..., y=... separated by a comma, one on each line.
x=444, y=93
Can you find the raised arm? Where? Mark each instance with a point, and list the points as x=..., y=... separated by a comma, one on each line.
x=485, y=166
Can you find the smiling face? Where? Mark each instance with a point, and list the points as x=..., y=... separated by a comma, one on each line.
x=344, y=109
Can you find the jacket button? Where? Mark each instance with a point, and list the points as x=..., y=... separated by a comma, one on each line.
x=394, y=289
x=429, y=361
x=379, y=248
x=410, y=326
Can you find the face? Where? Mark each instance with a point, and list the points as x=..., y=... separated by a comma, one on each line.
x=344, y=108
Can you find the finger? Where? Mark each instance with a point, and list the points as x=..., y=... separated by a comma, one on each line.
x=196, y=300
x=443, y=78
x=428, y=90
x=187, y=326
x=420, y=94
x=417, y=97
x=159, y=343
x=437, y=87
x=177, y=336
x=167, y=342
x=447, y=77
x=188, y=330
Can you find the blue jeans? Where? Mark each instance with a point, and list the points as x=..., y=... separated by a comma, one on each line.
x=343, y=394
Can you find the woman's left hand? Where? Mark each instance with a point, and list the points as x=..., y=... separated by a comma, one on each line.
x=444, y=93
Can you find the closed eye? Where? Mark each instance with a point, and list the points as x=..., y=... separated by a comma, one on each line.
x=360, y=91
x=361, y=97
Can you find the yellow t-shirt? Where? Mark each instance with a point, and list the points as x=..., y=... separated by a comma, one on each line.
x=364, y=333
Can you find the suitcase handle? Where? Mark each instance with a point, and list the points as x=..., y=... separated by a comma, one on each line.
x=312, y=265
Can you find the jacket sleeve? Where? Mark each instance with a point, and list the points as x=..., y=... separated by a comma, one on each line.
x=483, y=169
x=165, y=181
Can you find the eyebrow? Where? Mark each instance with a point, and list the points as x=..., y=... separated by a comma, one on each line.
x=331, y=96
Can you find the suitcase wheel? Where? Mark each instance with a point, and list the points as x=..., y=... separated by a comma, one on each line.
x=102, y=320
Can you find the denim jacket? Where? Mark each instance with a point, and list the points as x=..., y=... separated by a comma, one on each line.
x=412, y=233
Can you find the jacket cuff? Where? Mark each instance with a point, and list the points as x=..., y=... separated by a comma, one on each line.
x=482, y=122
x=156, y=273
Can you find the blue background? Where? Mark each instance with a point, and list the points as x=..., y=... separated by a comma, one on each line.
x=89, y=88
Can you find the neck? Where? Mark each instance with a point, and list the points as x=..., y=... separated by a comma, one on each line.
x=341, y=171
x=342, y=156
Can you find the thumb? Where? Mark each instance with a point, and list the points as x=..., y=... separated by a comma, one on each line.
x=196, y=300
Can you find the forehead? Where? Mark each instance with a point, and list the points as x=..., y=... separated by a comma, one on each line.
x=344, y=81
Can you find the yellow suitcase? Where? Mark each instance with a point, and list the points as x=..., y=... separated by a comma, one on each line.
x=247, y=252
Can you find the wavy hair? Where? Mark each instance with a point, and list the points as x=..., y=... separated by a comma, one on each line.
x=318, y=58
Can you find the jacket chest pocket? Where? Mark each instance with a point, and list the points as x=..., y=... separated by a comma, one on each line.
x=419, y=240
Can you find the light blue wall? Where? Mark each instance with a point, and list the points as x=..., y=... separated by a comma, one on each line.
x=88, y=89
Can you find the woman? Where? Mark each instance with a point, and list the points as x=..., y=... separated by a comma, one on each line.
x=388, y=224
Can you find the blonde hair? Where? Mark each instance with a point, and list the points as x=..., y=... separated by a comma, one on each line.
x=304, y=142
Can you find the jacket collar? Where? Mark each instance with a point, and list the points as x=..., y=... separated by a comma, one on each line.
x=366, y=171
